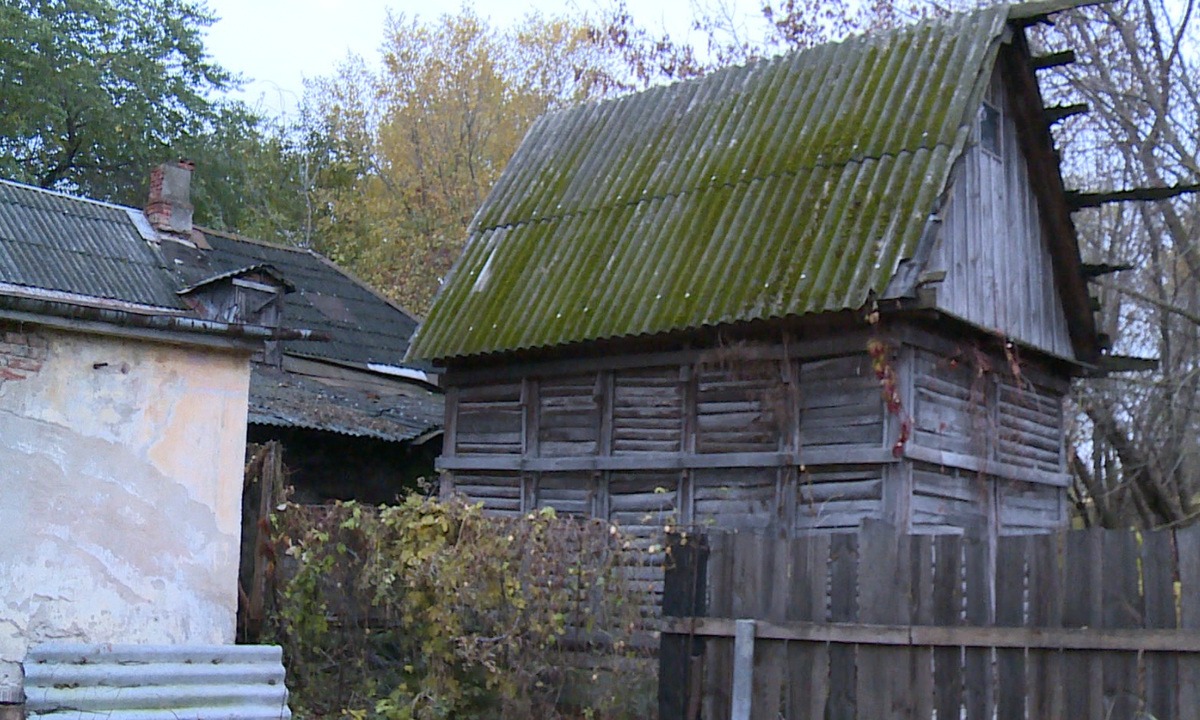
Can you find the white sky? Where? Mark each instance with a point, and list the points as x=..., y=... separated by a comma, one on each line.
x=274, y=44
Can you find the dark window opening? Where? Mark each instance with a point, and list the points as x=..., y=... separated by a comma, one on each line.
x=989, y=128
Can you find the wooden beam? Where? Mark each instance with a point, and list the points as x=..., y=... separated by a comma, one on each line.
x=1127, y=363
x=1058, y=113
x=1095, y=270
x=1078, y=200
x=1041, y=62
x=1085, y=639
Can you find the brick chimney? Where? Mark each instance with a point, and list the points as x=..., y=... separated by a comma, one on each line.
x=169, y=207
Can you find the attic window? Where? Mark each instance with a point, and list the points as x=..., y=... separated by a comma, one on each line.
x=989, y=128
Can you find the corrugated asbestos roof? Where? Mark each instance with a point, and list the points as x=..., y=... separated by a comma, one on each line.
x=124, y=682
x=51, y=241
x=292, y=400
x=794, y=185
x=364, y=327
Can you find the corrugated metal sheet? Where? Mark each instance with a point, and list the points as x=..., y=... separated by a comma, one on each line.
x=139, y=682
x=52, y=241
x=288, y=399
x=791, y=186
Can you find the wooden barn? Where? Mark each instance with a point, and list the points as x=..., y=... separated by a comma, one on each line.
x=829, y=286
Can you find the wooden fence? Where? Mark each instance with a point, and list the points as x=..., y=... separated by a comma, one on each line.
x=1096, y=624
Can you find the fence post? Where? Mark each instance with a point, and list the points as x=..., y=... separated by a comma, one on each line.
x=685, y=584
x=743, y=670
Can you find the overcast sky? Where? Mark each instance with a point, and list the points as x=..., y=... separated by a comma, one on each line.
x=276, y=43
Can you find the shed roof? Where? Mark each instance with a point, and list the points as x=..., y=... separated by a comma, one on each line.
x=79, y=247
x=364, y=327
x=794, y=185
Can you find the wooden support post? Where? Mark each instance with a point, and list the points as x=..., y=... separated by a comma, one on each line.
x=743, y=670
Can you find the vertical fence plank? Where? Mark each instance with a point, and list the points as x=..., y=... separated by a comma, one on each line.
x=977, y=662
x=1083, y=676
x=1010, y=612
x=718, y=655
x=808, y=663
x=1187, y=547
x=772, y=663
x=1121, y=608
x=921, y=666
x=684, y=591
x=1158, y=583
x=947, y=611
x=884, y=574
x=1046, y=684
x=842, y=608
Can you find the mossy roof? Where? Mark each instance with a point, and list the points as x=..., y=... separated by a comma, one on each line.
x=794, y=185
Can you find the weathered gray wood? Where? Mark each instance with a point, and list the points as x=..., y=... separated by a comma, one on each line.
x=1083, y=673
x=1187, y=548
x=808, y=663
x=1159, y=613
x=843, y=607
x=1045, y=611
x=947, y=601
x=1010, y=612
x=1007, y=471
x=977, y=662
x=921, y=665
x=743, y=671
x=1080, y=640
x=1121, y=608
x=885, y=596
x=999, y=271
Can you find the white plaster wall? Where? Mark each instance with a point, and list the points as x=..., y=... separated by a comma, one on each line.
x=120, y=494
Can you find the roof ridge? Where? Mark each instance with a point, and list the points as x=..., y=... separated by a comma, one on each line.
x=238, y=237
x=68, y=196
x=856, y=159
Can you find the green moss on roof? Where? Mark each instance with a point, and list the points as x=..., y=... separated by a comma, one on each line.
x=794, y=185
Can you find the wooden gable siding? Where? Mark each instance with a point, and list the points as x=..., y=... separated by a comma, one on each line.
x=999, y=273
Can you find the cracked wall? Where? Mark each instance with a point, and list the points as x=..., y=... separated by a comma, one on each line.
x=120, y=492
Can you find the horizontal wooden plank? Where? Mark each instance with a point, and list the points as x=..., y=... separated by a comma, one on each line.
x=1083, y=639
x=989, y=467
x=811, y=458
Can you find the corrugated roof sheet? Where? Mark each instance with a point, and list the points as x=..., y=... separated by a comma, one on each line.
x=364, y=327
x=794, y=185
x=292, y=400
x=123, y=682
x=51, y=241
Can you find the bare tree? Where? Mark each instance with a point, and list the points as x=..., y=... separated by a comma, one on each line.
x=1136, y=454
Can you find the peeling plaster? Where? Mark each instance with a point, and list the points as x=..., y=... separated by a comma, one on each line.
x=120, y=495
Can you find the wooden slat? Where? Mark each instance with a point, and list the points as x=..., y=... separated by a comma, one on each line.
x=1187, y=548
x=947, y=601
x=1121, y=608
x=1010, y=612
x=1083, y=674
x=885, y=596
x=843, y=607
x=1045, y=611
x=1159, y=613
x=808, y=663
x=977, y=662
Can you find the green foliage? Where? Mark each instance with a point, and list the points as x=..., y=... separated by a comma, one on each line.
x=431, y=610
x=93, y=93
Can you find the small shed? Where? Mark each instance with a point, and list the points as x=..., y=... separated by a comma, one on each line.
x=829, y=286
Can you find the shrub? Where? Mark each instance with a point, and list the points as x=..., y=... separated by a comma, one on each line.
x=430, y=610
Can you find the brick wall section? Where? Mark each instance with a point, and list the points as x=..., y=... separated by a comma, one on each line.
x=22, y=352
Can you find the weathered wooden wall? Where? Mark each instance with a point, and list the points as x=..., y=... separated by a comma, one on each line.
x=794, y=436
x=999, y=274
